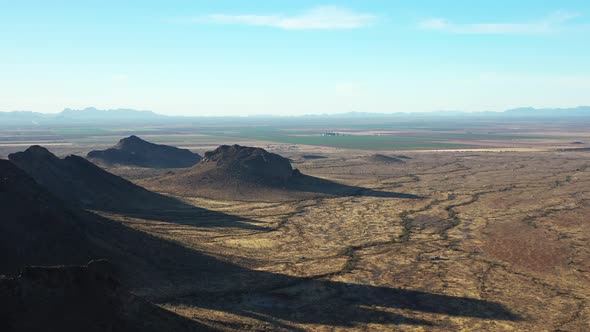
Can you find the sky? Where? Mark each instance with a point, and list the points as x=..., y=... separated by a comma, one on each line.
x=220, y=57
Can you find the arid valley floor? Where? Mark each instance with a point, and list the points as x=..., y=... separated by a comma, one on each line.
x=473, y=240
x=496, y=241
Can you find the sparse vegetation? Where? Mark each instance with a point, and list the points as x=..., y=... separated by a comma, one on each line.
x=471, y=227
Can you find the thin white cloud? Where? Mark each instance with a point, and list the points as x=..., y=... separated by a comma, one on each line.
x=318, y=18
x=548, y=25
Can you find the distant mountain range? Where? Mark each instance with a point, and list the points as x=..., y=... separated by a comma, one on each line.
x=86, y=115
x=91, y=115
x=523, y=111
x=549, y=112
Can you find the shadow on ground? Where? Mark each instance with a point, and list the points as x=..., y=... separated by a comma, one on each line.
x=308, y=301
x=166, y=272
x=172, y=210
x=178, y=275
x=311, y=184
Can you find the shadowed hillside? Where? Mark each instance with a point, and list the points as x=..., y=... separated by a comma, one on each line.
x=133, y=151
x=37, y=228
x=75, y=179
x=79, y=182
x=80, y=298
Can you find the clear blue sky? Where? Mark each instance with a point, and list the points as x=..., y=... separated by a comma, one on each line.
x=293, y=57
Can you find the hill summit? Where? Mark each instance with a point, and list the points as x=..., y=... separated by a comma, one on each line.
x=134, y=151
x=249, y=163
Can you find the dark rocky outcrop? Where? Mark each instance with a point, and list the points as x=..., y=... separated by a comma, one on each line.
x=77, y=180
x=133, y=151
x=79, y=298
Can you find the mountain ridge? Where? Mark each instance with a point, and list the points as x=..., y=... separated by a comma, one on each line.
x=75, y=179
x=89, y=114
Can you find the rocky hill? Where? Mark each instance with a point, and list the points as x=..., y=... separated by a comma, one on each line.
x=75, y=179
x=134, y=151
x=249, y=164
x=230, y=172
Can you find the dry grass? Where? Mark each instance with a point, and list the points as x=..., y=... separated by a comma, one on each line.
x=504, y=228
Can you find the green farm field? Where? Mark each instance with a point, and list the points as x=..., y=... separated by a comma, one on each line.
x=287, y=135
